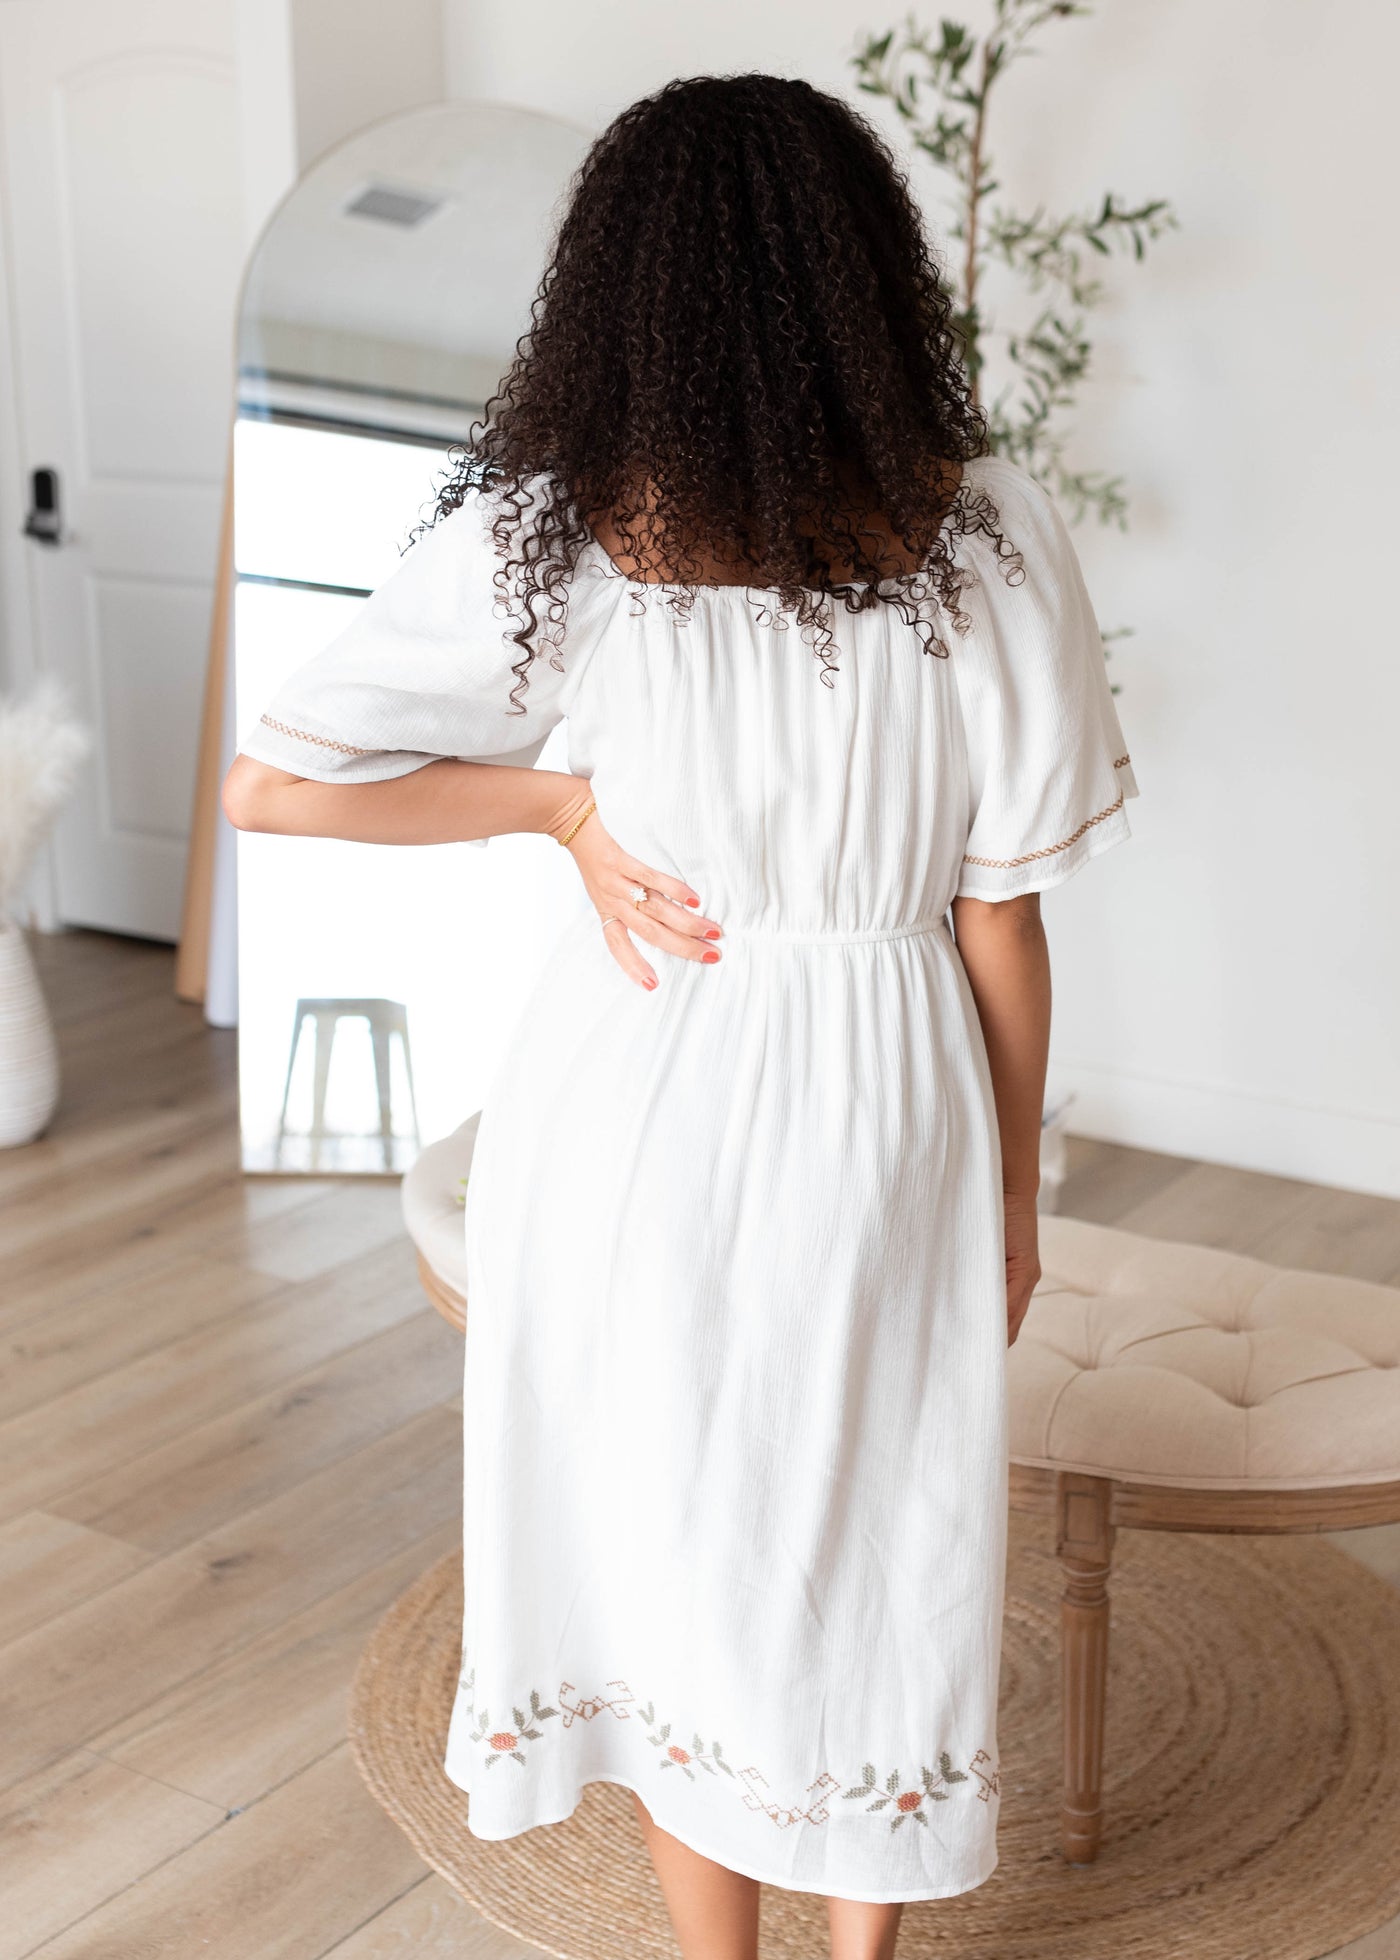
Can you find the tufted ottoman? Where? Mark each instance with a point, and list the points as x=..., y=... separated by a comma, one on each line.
x=1176, y=1388
x=432, y=1210
x=1164, y=1386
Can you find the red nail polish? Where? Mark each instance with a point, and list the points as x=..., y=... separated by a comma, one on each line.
x=710, y=932
x=649, y=983
x=709, y=958
x=692, y=901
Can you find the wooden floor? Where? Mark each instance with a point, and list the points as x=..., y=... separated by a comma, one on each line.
x=229, y=1437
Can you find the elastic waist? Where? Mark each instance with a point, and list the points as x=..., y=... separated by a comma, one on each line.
x=778, y=935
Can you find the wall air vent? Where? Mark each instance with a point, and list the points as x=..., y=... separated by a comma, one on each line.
x=392, y=207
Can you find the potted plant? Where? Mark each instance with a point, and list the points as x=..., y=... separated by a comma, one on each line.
x=941, y=86
x=40, y=750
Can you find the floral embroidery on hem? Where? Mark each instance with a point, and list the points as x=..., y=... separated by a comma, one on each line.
x=689, y=1760
x=908, y=1802
x=881, y=1793
x=504, y=1742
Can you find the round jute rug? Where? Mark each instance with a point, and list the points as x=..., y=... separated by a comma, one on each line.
x=1252, y=1780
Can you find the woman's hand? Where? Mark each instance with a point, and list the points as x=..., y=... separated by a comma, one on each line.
x=668, y=917
x=1022, y=1261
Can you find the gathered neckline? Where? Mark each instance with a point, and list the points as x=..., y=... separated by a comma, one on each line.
x=611, y=569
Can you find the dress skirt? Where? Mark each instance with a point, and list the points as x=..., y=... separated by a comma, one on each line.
x=735, y=1422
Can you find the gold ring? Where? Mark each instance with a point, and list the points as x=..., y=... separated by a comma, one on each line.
x=611, y=920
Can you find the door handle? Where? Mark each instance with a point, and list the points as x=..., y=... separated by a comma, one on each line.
x=44, y=522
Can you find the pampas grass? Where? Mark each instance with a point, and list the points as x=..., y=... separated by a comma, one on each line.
x=41, y=747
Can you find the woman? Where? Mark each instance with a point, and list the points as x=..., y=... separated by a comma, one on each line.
x=751, y=1219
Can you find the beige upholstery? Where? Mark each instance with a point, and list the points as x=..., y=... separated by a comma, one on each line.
x=1142, y=1359
x=432, y=1203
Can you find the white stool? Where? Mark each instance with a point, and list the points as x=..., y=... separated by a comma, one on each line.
x=432, y=1194
x=386, y=1019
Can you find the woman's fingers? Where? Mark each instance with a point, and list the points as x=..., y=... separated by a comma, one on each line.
x=620, y=945
x=668, y=917
x=663, y=908
x=663, y=924
x=660, y=881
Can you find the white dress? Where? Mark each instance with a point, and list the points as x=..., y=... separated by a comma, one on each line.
x=736, y=1470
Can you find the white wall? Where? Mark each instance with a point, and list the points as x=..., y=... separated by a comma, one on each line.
x=1226, y=983
x=312, y=72
x=355, y=61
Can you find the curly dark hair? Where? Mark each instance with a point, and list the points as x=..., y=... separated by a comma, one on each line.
x=741, y=349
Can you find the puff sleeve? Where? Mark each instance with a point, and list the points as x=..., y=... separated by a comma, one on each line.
x=1048, y=767
x=423, y=670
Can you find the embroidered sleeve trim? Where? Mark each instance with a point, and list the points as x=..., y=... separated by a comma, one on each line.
x=1122, y=761
x=1051, y=850
x=320, y=741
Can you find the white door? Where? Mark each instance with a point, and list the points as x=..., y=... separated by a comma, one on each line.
x=123, y=217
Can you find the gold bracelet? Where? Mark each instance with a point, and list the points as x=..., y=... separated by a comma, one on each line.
x=578, y=824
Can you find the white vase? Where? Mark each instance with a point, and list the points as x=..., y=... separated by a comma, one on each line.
x=28, y=1052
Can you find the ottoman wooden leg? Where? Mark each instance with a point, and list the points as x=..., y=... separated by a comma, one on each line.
x=1084, y=1542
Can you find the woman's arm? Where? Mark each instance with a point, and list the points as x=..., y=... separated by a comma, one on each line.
x=450, y=802
x=1007, y=962
x=444, y=802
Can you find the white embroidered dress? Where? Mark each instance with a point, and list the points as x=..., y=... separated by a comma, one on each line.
x=736, y=1475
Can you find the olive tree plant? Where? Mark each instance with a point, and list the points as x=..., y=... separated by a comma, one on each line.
x=940, y=83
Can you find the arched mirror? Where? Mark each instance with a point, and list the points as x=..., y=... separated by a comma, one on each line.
x=380, y=309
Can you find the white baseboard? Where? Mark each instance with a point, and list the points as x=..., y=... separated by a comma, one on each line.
x=1230, y=1126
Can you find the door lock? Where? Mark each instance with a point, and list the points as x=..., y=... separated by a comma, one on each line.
x=44, y=522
